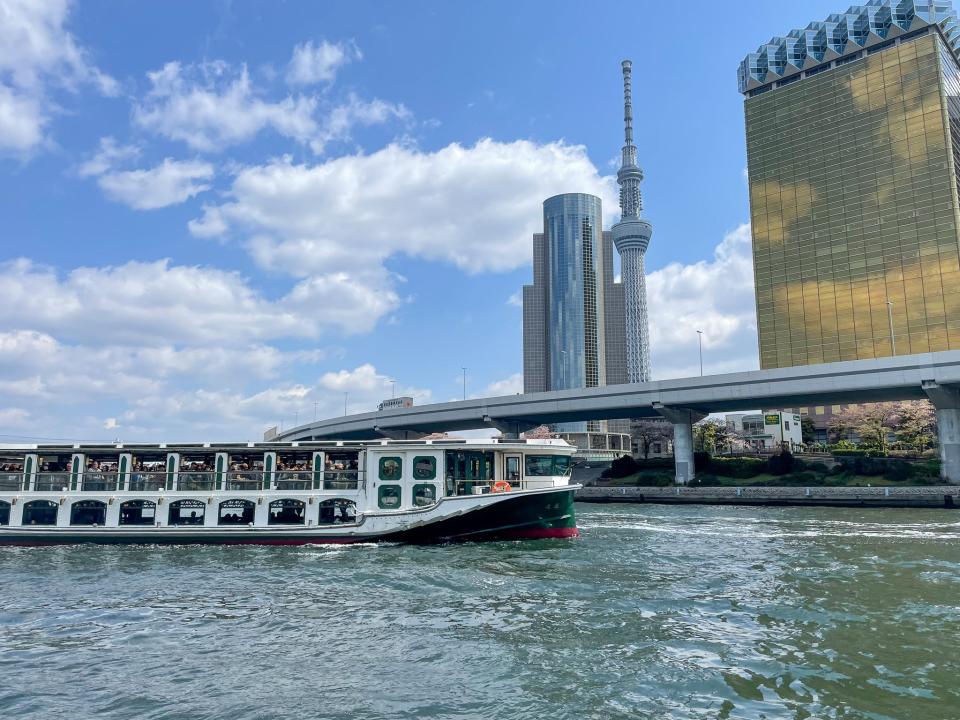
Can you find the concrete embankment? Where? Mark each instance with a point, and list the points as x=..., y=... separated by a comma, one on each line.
x=943, y=496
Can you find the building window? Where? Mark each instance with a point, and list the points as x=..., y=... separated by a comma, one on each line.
x=391, y=469
x=424, y=467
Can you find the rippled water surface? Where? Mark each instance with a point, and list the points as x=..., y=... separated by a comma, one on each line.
x=656, y=612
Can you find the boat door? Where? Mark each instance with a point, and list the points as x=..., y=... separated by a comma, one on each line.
x=513, y=470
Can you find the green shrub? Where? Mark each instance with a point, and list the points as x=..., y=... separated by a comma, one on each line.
x=705, y=480
x=655, y=479
x=740, y=468
x=701, y=461
x=781, y=464
x=623, y=466
x=817, y=467
x=898, y=471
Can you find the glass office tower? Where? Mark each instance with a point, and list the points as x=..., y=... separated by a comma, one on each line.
x=567, y=309
x=853, y=146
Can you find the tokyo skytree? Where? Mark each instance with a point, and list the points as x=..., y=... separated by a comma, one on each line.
x=632, y=236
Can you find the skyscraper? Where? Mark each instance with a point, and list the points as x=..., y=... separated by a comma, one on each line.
x=572, y=314
x=853, y=146
x=632, y=237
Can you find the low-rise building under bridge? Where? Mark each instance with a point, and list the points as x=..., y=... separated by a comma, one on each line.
x=683, y=402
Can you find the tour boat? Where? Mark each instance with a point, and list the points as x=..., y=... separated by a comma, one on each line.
x=287, y=493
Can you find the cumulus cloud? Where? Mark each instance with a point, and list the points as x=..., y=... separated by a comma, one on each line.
x=213, y=105
x=156, y=302
x=474, y=207
x=37, y=56
x=715, y=296
x=169, y=183
x=318, y=63
x=508, y=386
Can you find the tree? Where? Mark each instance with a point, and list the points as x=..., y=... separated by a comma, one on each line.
x=808, y=430
x=874, y=423
x=647, y=432
x=710, y=434
x=917, y=428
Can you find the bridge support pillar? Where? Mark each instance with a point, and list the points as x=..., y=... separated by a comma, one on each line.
x=683, y=420
x=946, y=402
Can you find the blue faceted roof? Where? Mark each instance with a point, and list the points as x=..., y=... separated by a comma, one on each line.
x=861, y=26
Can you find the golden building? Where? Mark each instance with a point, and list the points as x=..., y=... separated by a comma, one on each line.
x=853, y=147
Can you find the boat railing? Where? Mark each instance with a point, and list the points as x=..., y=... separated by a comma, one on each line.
x=51, y=481
x=293, y=479
x=11, y=482
x=147, y=481
x=244, y=480
x=99, y=481
x=341, y=479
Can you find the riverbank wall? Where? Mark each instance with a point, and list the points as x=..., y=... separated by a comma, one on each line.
x=942, y=496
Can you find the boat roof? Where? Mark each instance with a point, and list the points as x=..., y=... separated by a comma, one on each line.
x=491, y=443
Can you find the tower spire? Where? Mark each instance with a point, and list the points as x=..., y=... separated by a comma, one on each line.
x=632, y=236
x=630, y=175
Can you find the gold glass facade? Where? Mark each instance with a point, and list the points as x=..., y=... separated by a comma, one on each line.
x=853, y=197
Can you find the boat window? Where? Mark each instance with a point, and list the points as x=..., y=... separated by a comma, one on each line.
x=424, y=467
x=424, y=494
x=4, y=513
x=245, y=471
x=542, y=465
x=11, y=474
x=100, y=474
x=391, y=468
x=466, y=469
x=341, y=470
x=138, y=512
x=88, y=512
x=286, y=512
x=54, y=472
x=388, y=497
x=236, y=512
x=148, y=472
x=40, y=512
x=186, y=512
x=513, y=469
x=337, y=511
x=294, y=470
x=197, y=472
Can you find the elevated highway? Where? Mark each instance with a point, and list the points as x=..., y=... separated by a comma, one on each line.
x=684, y=401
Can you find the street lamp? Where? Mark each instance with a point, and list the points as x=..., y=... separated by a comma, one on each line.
x=393, y=388
x=464, y=382
x=345, y=396
x=700, y=342
x=893, y=340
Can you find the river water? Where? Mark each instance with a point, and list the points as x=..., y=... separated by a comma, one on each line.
x=656, y=612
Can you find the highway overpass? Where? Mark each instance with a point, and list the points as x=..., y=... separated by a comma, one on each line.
x=932, y=376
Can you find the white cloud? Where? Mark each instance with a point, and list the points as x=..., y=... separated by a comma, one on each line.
x=340, y=122
x=715, y=296
x=38, y=55
x=313, y=64
x=108, y=156
x=516, y=299
x=169, y=183
x=213, y=105
x=473, y=207
x=155, y=303
x=508, y=386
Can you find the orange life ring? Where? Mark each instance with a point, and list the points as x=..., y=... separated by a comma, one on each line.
x=501, y=486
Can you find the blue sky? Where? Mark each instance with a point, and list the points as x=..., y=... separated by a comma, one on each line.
x=219, y=216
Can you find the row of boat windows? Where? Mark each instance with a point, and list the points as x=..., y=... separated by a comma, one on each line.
x=472, y=465
x=285, y=511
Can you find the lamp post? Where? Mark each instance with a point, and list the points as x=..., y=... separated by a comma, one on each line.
x=700, y=343
x=315, y=403
x=464, y=382
x=345, y=396
x=893, y=340
x=393, y=388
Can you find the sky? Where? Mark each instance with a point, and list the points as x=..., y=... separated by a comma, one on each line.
x=216, y=217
